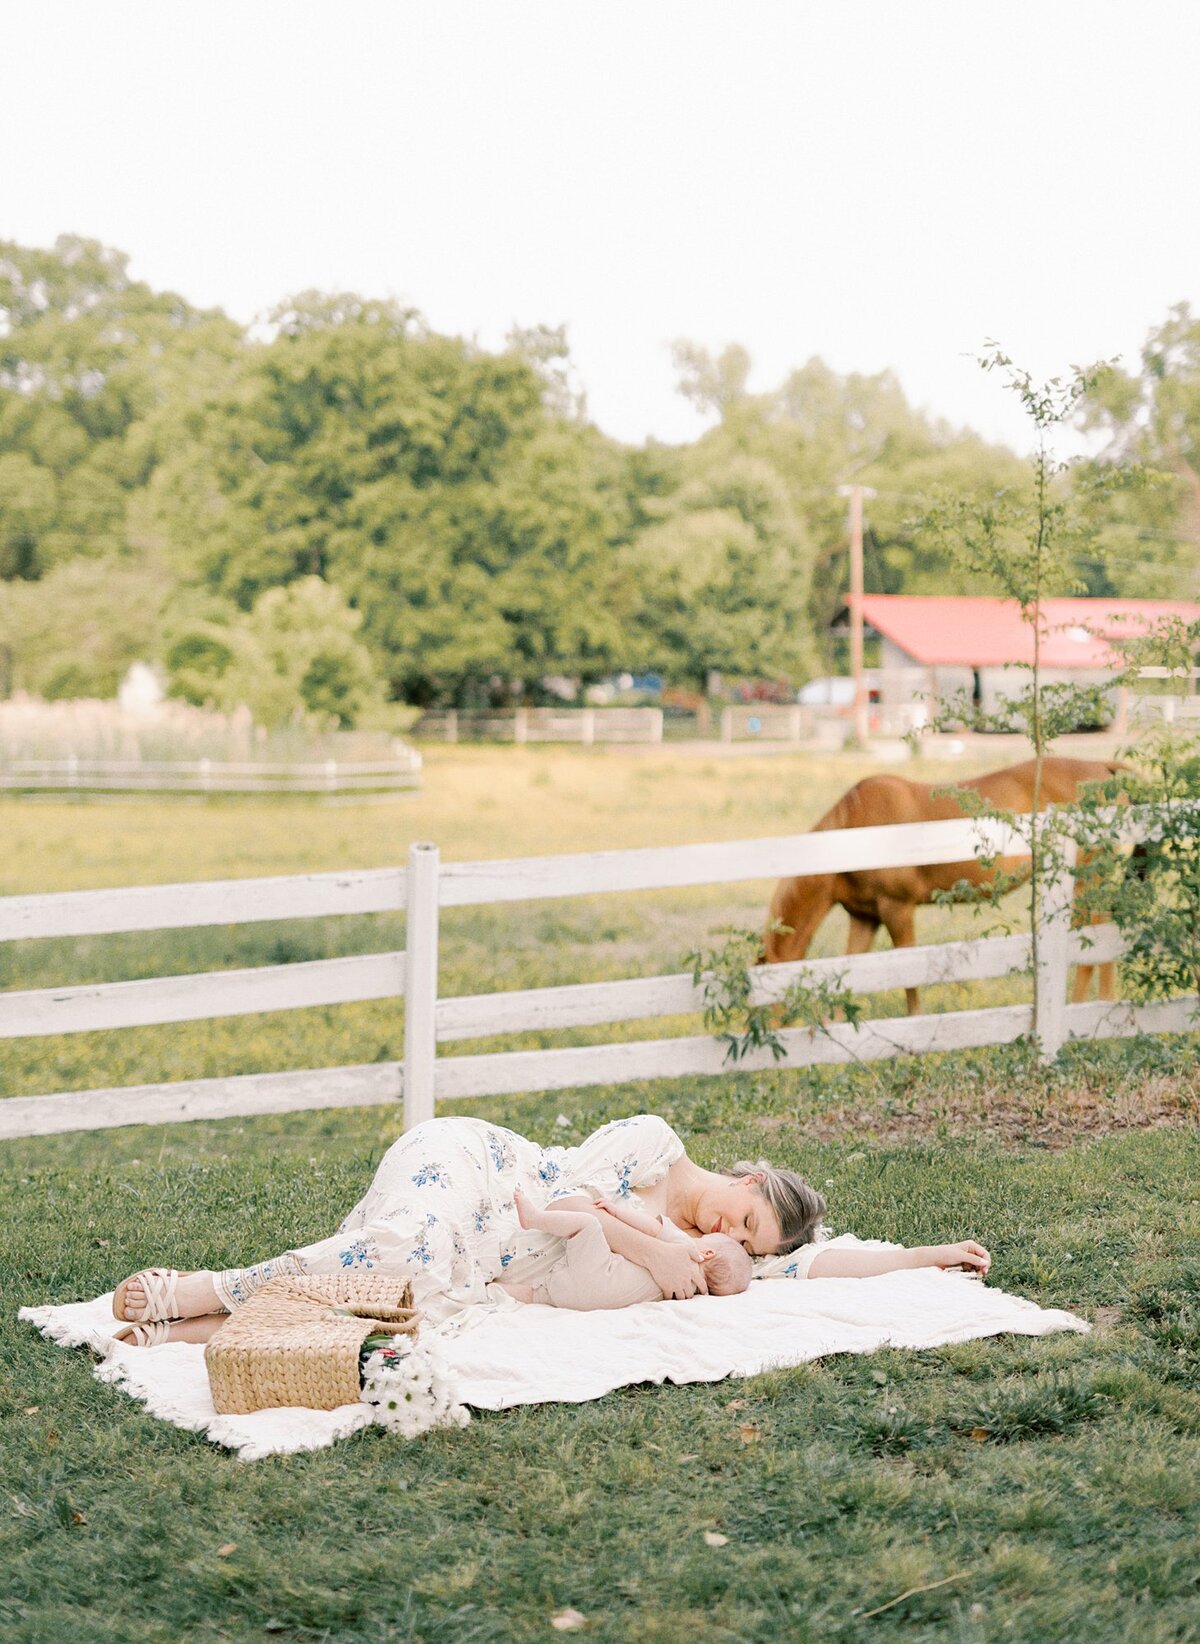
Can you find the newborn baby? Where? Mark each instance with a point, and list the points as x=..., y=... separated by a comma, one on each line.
x=588, y=1275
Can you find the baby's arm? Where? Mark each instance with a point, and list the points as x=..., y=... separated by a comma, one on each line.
x=641, y=1220
x=676, y=1268
x=865, y=1264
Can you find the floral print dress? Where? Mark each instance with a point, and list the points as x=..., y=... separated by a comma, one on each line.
x=440, y=1208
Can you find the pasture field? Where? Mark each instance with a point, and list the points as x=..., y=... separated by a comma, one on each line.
x=476, y=803
x=1022, y=1490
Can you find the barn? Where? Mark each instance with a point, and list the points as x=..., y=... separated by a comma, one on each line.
x=933, y=647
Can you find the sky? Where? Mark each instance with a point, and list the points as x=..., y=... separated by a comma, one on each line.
x=886, y=185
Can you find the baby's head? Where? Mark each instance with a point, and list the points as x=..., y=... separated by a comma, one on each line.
x=727, y=1267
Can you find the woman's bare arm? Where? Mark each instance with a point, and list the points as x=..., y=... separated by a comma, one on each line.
x=866, y=1264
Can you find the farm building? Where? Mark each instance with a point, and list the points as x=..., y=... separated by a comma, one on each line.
x=934, y=647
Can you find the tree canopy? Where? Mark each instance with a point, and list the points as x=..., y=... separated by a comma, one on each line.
x=353, y=507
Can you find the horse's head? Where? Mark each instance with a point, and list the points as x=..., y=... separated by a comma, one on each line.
x=797, y=908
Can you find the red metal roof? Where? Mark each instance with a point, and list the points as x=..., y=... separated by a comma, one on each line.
x=969, y=631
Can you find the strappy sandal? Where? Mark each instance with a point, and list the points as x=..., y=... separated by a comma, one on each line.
x=151, y=1334
x=159, y=1285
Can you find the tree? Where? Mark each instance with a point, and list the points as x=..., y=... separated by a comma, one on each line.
x=1025, y=541
x=1150, y=544
x=421, y=476
x=721, y=572
x=88, y=357
x=296, y=651
x=75, y=631
x=819, y=430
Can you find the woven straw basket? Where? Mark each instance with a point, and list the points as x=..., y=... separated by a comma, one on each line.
x=297, y=1342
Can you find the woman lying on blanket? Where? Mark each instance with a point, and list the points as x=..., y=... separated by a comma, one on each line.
x=442, y=1210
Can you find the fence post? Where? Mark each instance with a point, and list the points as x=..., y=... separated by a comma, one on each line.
x=1054, y=942
x=726, y=724
x=420, y=983
x=521, y=725
x=587, y=734
x=656, y=725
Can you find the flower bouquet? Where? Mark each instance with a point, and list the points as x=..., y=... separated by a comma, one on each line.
x=408, y=1385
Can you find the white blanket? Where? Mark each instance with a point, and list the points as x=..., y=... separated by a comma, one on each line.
x=534, y=1355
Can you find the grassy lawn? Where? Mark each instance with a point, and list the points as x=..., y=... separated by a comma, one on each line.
x=1023, y=1490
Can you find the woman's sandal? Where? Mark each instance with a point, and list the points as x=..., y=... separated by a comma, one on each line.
x=151, y=1334
x=158, y=1284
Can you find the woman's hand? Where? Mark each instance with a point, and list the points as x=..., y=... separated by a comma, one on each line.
x=966, y=1254
x=676, y=1269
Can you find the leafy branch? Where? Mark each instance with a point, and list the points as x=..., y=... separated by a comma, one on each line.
x=726, y=974
x=1025, y=543
x=1152, y=894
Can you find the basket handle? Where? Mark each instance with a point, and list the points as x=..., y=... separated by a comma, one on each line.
x=382, y=1312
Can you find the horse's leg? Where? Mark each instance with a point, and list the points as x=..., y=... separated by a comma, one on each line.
x=899, y=918
x=862, y=933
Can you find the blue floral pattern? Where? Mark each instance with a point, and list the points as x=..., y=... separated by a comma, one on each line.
x=420, y=1251
x=502, y=1151
x=471, y=1169
x=360, y=1253
x=625, y=1172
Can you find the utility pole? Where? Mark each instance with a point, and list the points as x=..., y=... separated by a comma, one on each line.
x=856, y=494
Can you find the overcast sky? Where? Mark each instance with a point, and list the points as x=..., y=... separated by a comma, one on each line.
x=884, y=184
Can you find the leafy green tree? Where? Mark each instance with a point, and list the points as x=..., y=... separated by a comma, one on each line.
x=1150, y=542
x=720, y=572
x=819, y=430
x=424, y=478
x=75, y=631
x=88, y=357
x=297, y=651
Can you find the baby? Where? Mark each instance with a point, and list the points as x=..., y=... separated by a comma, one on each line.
x=588, y=1275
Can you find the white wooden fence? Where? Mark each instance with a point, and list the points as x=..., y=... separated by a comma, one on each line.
x=424, y=1077
x=204, y=776
x=804, y=723
x=522, y=725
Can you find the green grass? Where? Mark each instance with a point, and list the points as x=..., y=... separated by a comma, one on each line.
x=1058, y=1481
x=1029, y=1490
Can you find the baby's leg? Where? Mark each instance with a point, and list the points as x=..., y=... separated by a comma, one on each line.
x=564, y=1224
x=518, y=1292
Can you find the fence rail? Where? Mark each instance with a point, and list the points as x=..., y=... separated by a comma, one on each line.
x=424, y=1078
x=521, y=725
x=208, y=776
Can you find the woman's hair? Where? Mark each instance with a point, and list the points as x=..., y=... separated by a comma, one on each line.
x=728, y=1270
x=798, y=1208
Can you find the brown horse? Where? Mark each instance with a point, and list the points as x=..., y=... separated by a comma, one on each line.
x=890, y=896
